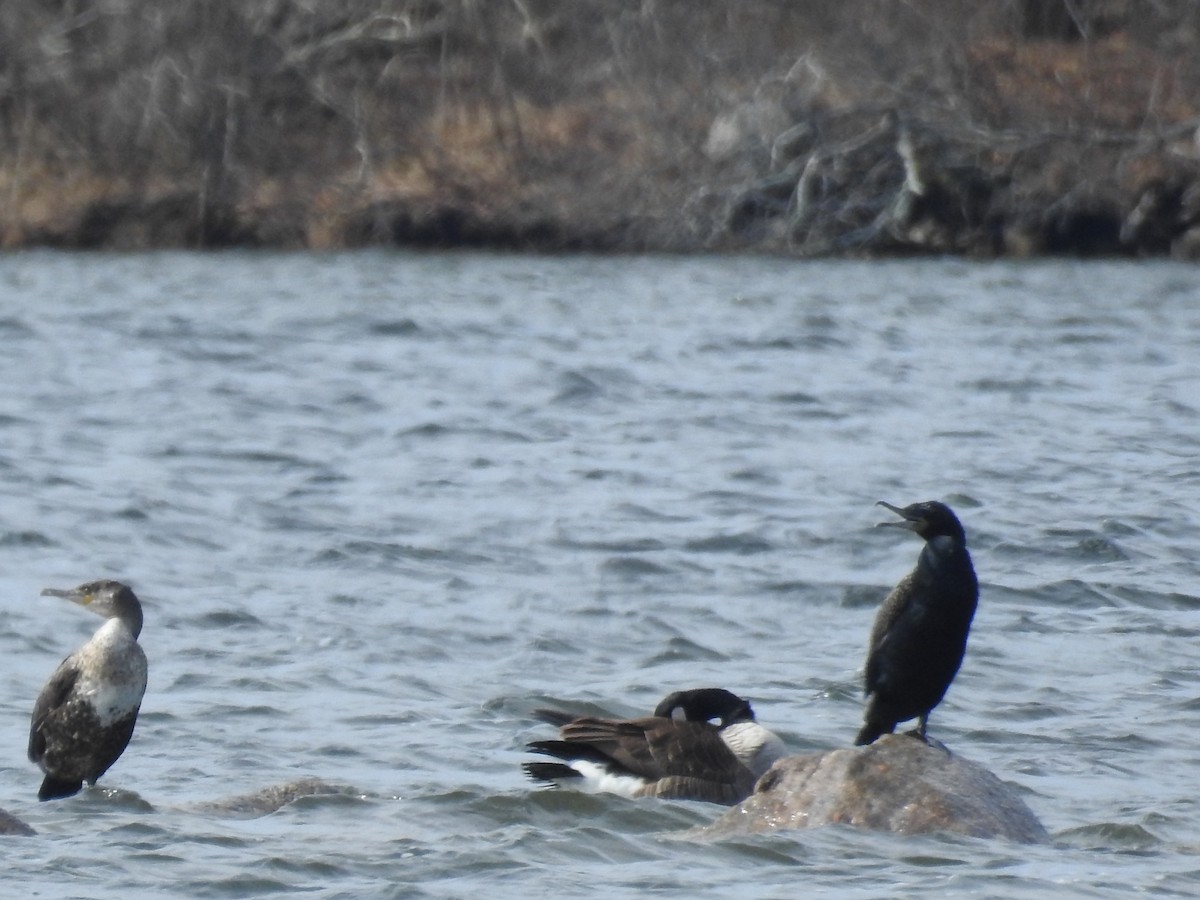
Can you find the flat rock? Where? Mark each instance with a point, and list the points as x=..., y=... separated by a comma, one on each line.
x=898, y=784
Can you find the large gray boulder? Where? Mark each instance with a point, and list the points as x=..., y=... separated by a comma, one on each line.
x=898, y=784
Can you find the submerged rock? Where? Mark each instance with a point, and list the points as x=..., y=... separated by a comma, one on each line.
x=10, y=824
x=897, y=784
x=270, y=799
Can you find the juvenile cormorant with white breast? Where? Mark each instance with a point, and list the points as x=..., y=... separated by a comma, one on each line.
x=920, y=632
x=84, y=716
x=689, y=758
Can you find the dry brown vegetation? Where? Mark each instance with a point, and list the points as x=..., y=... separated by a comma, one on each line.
x=872, y=126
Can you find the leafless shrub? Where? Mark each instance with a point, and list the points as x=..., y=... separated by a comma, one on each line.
x=663, y=121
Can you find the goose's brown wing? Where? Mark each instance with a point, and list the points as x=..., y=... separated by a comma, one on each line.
x=654, y=747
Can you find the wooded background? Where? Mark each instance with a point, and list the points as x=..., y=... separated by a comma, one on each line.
x=828, y=126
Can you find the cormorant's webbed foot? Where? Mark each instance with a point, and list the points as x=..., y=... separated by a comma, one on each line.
x=919, y=731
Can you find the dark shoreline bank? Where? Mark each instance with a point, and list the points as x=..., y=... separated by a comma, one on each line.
x=851, y=129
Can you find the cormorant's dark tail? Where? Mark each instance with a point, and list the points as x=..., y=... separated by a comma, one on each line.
x=870, y=731
x=54, y=788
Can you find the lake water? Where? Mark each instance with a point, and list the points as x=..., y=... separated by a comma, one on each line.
x=380, y=506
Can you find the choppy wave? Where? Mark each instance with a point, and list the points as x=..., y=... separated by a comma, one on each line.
x=381, y=507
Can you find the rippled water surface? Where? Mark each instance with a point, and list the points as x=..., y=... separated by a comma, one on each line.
x=379, y=507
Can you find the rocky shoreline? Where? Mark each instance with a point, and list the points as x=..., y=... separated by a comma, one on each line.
x=770, y=129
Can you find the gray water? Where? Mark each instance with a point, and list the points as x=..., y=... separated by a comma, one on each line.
x=380, y=506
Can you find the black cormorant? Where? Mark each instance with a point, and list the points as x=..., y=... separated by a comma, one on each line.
x=85, y=714
x=920, y=631
x=715, y=752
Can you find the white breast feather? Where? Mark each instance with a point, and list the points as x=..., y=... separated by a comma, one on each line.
x=756, y=747
x=113, y=676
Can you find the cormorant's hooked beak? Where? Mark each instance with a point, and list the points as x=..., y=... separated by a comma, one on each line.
x=911, y=523
x=73, y=594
